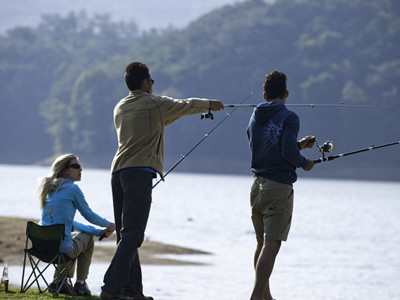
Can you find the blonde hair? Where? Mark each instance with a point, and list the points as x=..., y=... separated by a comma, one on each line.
x=55, y=179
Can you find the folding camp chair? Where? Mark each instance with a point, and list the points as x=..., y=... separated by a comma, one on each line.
x=46, y=244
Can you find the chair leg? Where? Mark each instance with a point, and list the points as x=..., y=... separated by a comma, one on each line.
x=23, y=275
x=23, y=270
x=64, y=275
x=35, y=275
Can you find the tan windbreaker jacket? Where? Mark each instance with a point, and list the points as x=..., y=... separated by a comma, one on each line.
x=140, y=119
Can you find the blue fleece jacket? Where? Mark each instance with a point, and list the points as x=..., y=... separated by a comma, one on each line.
x=272, y=134
x=60, y=208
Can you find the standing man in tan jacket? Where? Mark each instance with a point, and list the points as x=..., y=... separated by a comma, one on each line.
x=139, y=119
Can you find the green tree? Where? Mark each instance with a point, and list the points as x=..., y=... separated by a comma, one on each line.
x=90, y=113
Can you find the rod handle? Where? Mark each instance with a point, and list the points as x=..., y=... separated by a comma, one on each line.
x=319, y=160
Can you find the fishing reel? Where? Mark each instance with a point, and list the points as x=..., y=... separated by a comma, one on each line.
x=208, y=115
x=326, y=147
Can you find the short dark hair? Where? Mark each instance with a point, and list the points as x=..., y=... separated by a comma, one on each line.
x=135, y=73
x=275, y=85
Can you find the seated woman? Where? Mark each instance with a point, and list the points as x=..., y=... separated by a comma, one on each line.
x=60, y=197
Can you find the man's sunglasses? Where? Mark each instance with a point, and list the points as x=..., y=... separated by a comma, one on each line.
x=75, y=166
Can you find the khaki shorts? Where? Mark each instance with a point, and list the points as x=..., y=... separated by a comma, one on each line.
x=271, y=209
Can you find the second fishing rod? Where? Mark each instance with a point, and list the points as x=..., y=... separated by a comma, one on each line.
x=328, y=147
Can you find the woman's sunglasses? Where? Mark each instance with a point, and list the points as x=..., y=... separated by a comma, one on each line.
x=75, y=166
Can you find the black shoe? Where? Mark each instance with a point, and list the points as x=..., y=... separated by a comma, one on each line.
x=138, y=296
x=81, y=289
x=105, y=295
x=66, y=289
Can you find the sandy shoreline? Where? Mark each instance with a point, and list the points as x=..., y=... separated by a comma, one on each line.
x=12, y=242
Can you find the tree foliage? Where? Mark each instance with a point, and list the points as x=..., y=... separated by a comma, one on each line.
x=61, y=80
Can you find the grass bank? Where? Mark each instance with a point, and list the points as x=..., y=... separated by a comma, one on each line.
x=13, y=293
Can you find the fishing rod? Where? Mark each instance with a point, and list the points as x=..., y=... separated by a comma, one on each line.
x=207, y=115
x=328, y=147
x=315, y=105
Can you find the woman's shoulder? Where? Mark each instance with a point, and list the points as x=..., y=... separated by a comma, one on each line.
x=71, y=186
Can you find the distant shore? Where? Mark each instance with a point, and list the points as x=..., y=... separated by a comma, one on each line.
x=12, y=242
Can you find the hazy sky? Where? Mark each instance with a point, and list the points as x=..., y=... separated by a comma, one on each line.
x=147, y=14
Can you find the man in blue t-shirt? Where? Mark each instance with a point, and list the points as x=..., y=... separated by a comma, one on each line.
x=272, y=134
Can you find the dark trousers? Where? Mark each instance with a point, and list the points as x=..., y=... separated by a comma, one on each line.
x=131, y=191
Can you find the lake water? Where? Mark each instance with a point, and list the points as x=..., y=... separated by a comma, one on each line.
x=344, y=242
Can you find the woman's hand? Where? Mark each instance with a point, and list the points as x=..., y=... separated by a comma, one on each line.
x=111, y=228
x=105, y=233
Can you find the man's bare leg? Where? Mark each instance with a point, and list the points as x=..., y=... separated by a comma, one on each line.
x=265, y=260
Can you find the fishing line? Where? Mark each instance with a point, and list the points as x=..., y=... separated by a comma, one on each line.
x=316, y=105
x=208, y=115
x=329, y=148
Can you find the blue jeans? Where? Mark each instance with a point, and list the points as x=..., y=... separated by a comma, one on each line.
x=131, y=190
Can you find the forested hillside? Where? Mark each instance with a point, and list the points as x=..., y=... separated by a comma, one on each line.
x=61, y=80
